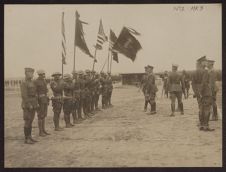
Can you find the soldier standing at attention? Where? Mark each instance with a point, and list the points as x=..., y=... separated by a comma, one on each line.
x=81, y=103
x=43, y=101
x=57, y=86
x=110, y=88
x=196, y=84
x=176, y=87
x=68, y=99
x=29, y=104
x=97, y=91
x=186, y=79
x=76, y=98
x=87, y=98
x=151, y=89
x=206, y=99
x=92, y=90
x=214, y=88
x=103, y=90
x=143, y=87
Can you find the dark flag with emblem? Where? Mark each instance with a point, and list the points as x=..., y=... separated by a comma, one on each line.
x=112, y=41
x=79, y=36
x=127, y=44
x=63, y=41
x=101, y=37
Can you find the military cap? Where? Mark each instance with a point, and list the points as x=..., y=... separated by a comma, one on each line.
x=40, y=72
x=87, y=71
x=210, y=61
x=28, y=69
x=175, y=65
x=56, y=73
x=149, y=66
x=67, y=76
x=74, y=72
x=80, y=72
x=201, y=59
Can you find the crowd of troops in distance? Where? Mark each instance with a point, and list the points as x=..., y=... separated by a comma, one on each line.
x=203, y=82
x=77, y=95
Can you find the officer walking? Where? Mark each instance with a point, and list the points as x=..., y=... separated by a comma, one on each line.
x=196, y=84
x=29, y=104
x=176, y=87
x=214, y=88
x=57, y=86
x=68, y=99
x=43, y=101
x=150, y=89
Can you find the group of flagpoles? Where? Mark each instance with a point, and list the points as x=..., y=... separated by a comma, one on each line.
x=94, y=60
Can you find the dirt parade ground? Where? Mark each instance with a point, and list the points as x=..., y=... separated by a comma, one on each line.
x=121, y=136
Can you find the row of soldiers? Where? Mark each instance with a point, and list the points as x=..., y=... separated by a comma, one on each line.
x=77, y=95
x=203, y=85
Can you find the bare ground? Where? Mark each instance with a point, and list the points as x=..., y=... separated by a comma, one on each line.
x=121, y=136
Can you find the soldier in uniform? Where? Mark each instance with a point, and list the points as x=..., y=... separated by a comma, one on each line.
x=214, y=88
x=150, y=89
x=97, y=91
x=206, y=99
x=57, y=86
x=196, y=84
x=68, y=99
x=186, y=79
x=81, y=102
x=165, y=81
x=176, y=87
x=143, y=87
x=87, y=96
x=92, y=90
x=29, y=104
x=43, y=101
x=76, y=98
x=103, y=90
x=110, y=88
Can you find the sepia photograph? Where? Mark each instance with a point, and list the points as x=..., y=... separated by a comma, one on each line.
x=112, y=85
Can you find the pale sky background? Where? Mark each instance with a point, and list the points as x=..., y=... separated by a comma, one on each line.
x=33, y=36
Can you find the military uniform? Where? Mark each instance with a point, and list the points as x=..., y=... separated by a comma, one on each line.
x=87, y=95
x=109, y=89
x=196, y=86
x=76, y=101
x=186, y=79
x=103, y=82
x=206, y=101
x=29, y=104
x=57, y=86
x=68, y=99
x=43, y=101
x=176, y=87
x=96, y=91
x=81, y=102
x=214, y=89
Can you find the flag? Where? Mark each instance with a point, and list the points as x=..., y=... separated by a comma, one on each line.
x=101, y=37
x=79, y=36
x=63, y=41
x=127, y=44
x=112, y=41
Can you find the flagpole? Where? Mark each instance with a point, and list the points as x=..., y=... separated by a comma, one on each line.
x=104, y=65
x=94, y=58
x=111, y=63
x=74, y=44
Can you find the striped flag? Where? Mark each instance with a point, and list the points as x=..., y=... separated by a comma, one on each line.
x=63, y=41
x=101, y=37
x=112, y=41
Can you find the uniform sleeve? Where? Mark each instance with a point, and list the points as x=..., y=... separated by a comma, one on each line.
x=204, y=83
x=23, y=89
x=182, y=83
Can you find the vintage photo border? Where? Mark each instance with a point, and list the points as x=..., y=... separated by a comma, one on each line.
x=49, y=2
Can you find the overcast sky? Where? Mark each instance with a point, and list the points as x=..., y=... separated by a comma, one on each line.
x=169, y=34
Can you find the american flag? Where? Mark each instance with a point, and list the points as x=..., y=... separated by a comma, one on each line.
x=112, y=41
x=63, y=41
x=101, y=37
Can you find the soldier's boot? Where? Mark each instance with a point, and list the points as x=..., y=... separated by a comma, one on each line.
x=40, y=126
x=30, y=137
x=145, y=106
x=178, y=107
x=215, y=115
x=67, y=121
x=172, y=109
x=56, y=124
x=74, y=117
x=153, y=108
x=26, y=134
x=182, y=108
x=43, y=127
